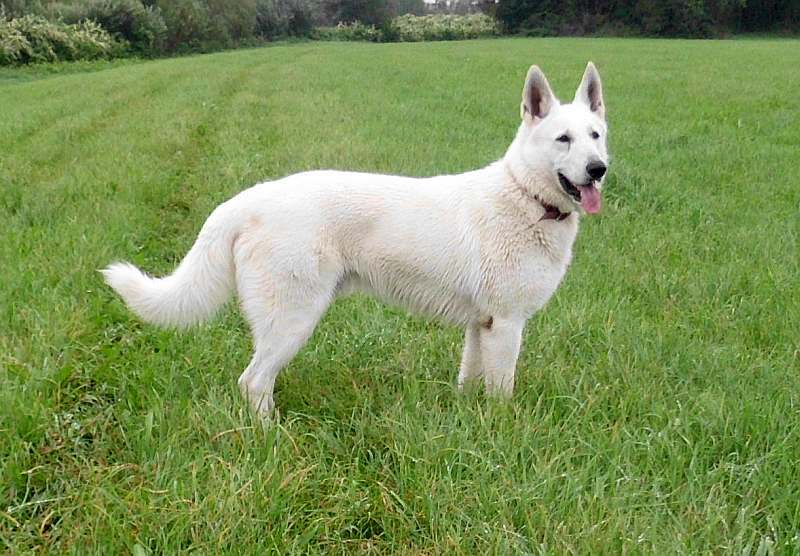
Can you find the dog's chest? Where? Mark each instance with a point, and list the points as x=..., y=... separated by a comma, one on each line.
x=535, y=263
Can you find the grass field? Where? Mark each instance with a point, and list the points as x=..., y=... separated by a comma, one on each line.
x=658, y=400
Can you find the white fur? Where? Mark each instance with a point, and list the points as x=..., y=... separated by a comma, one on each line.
x=469, y=248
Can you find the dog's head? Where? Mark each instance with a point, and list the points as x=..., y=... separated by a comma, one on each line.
x=563, y=146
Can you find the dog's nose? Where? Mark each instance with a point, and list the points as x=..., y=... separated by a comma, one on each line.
x=596, y=169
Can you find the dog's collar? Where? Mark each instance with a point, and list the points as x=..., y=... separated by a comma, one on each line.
x=550, y=212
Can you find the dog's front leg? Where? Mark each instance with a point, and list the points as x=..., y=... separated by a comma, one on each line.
x=471, y=366
x=499, y=341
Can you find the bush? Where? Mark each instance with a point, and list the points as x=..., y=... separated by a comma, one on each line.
x=18, y=8
x=411, y=28
x=281, y=18
x=188, y=25
x=141, y=26
x=665, y=18
x=231, y=21
x=89, y=41
x=31, y=38
x=68, y=12
x=402, y=7
x=15, y=48
x=208, y=24
x=371, y=12
x=355, y=31
x=302, y=14
x=443, y=27
x=272, y=19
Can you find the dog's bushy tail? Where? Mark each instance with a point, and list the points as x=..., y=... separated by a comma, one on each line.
x=200, y=285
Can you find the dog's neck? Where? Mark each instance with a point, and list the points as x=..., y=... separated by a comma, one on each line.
x=551, y=212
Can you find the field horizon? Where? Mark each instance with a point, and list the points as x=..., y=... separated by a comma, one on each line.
x=657, y=407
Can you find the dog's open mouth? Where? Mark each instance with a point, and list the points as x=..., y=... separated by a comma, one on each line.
x=587, y=195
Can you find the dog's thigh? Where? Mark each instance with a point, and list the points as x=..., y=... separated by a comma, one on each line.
x=500, y=345
x=275, y=346
x=471, y=366
x=282, y=310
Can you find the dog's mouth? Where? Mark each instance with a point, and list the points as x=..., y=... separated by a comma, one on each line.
x=588, y=195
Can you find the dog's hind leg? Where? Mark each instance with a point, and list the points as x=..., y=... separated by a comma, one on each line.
x=277, y=341
x=282, y=319
x=471, y=366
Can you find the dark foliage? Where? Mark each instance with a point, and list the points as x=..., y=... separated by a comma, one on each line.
x=670, y=18
x=370, y=12
x=281, y=18
x=141, y=26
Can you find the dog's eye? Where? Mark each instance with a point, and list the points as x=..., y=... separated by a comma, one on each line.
x=595, y=135
x=563, y=138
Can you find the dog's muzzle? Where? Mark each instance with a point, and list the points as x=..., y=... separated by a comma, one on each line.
x=587, y=195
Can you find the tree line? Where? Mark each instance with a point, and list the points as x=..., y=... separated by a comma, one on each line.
x=669, y=18
x=156, y=27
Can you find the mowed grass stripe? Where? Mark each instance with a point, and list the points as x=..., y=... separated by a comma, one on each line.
x=657, y=406
x=58, y=185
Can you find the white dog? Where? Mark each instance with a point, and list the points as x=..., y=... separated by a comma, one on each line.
x=485, y=249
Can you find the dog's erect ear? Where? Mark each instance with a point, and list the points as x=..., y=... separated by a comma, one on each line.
x=537, y=97
x=590, y=91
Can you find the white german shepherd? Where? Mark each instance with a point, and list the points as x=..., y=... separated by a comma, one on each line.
x=485, y=249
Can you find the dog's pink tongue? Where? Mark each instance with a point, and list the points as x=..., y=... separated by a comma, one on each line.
x=590, y=198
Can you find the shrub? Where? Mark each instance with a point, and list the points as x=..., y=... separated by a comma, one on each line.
x=355, y=31
x=209, y=24
x=692, y=18
x=32, y=38
x=14, y=45
x=142, y=26
x=302, y=14
x=68, y=12
x=90, y=41
x=372, y=12
x=280, y=18
x=272, y=19
x=188, y=25
x=231, y=21
x=416, y=7
x=19, y=8
x=443, y=27
x=411, y=28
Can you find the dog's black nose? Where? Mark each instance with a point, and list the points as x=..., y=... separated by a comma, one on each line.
x=596, y=169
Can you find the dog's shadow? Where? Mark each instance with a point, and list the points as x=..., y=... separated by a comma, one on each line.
x=367, y=356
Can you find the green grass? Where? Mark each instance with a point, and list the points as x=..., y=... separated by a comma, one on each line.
x=658, y=400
